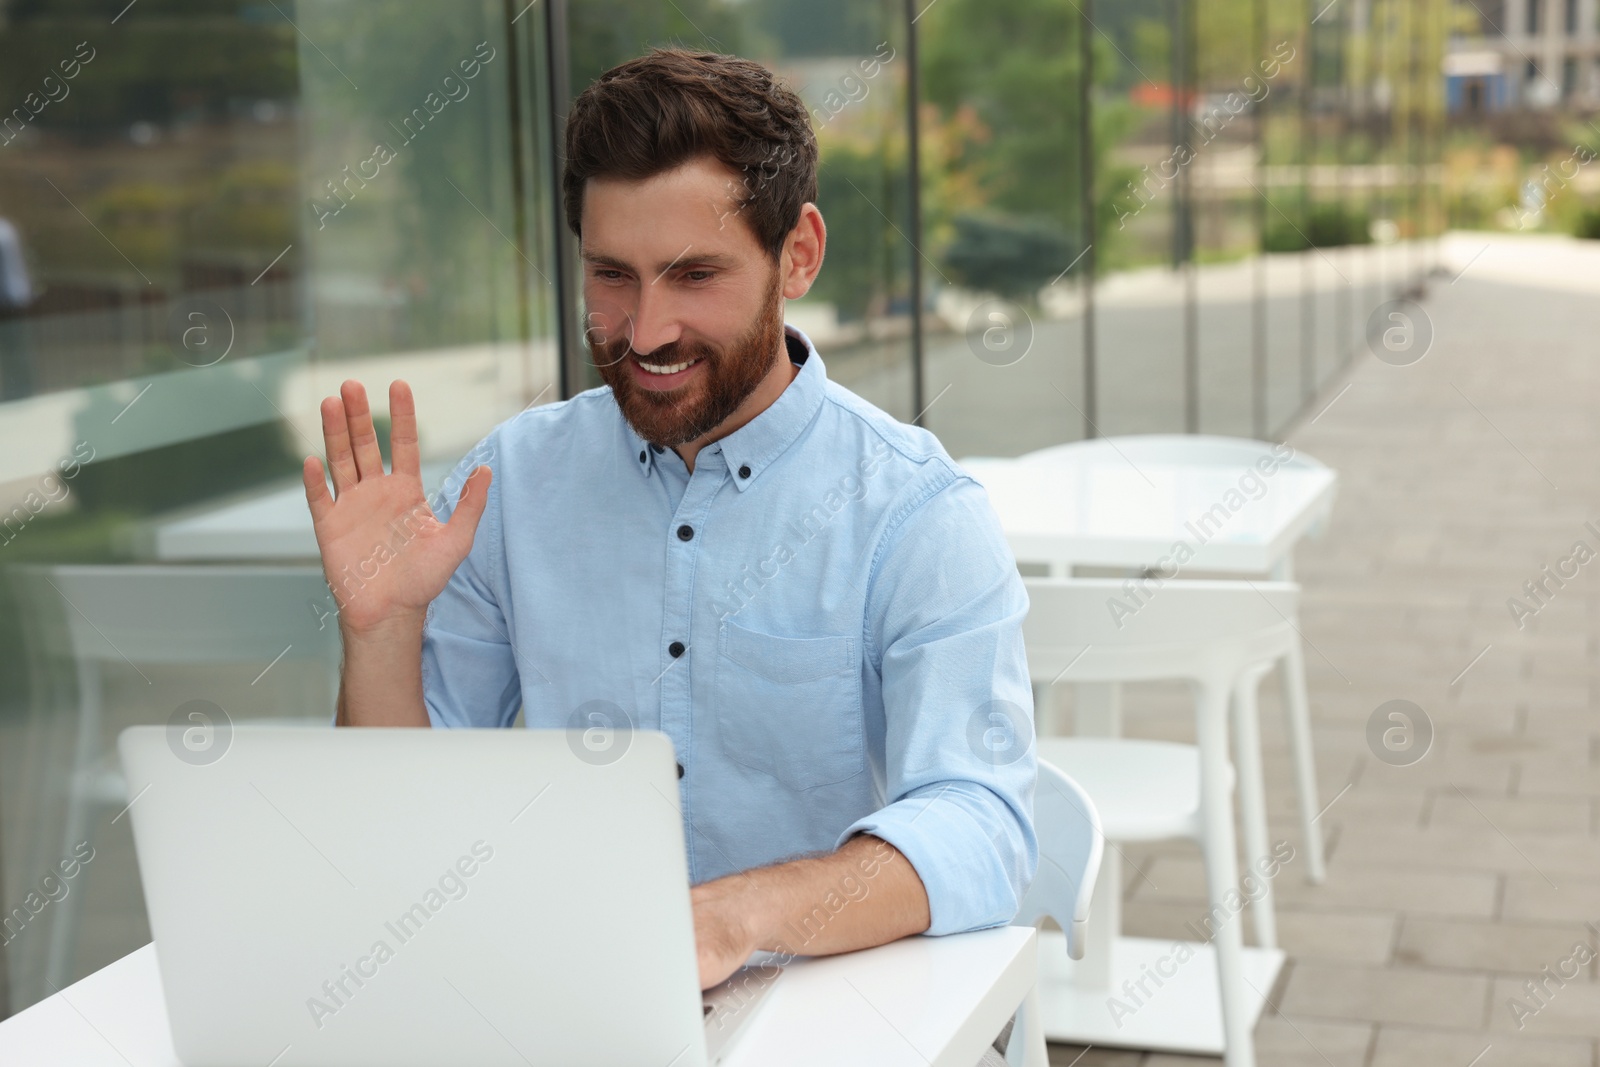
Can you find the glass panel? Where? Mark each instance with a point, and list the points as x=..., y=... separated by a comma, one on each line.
x=1140, y=291
x=1333, y=231
x=1003, y=211
x=1231, y=81
x=1286, y=269
x=225, y=209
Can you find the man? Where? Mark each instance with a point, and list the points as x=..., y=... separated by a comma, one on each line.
x=810, y=598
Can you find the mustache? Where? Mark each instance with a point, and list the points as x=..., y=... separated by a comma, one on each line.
x=674, y=352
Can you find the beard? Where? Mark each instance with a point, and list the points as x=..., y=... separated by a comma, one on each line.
x=729, y=375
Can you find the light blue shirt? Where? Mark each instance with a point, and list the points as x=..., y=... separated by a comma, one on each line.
x=825, y=619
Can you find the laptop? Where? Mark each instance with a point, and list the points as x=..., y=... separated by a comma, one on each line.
x=418, y=898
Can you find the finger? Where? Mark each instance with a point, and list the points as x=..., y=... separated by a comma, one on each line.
x=469, y=507
x=336, y=436
x=317, y=497
x=363, y=438
x=403, y=430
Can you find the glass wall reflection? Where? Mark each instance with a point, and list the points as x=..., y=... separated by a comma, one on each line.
x=215, y=212
x=1140, y=287
x=1003, y=178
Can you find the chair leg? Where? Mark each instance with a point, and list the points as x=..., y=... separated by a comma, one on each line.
x=1222, y=873
x=1097, y=712
x=1297, y=712
x=1253, y=803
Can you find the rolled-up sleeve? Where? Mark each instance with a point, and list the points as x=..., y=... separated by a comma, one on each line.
x=945, y=611
x=469, y=671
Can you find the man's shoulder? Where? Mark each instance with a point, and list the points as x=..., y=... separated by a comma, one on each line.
x=581, y=418
x=911, y=447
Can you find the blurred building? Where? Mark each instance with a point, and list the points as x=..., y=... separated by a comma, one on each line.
x=1525, y=53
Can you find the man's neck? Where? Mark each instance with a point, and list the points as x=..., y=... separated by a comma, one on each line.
x=784, y=370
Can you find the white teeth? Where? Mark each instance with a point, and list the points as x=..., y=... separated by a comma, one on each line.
x=671, y=368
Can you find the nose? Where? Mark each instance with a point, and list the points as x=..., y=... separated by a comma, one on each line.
x=654, y=322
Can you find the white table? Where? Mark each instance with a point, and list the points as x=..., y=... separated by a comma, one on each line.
x=1093, y=507
x=1128, y=503
x=916, y=1002
x=272, y=526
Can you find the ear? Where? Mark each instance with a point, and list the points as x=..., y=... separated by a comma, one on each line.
x=801, y=257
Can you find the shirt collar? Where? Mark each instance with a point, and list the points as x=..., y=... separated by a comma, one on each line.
x=753, y=447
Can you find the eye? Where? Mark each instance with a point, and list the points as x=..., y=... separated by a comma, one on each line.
x=607, y=274
x=700, y=275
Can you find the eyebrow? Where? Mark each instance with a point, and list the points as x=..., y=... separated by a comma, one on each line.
x=705, y=259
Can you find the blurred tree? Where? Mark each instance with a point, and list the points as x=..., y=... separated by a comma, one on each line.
x=604, y=33
x=1009, y=255
x=1014, y=66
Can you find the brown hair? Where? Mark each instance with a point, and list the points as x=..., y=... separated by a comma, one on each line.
x=651, y=114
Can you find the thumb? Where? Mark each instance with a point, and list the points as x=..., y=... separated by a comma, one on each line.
x=469, y=506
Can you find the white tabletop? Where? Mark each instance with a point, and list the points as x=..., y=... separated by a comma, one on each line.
x=1128, y=502
x=916, y=1002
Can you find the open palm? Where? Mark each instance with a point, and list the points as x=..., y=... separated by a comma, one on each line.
x=384, y=553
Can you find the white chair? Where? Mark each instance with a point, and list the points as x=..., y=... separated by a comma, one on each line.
x=1070, y=848
x=106, y=615
x=1232, y=453
x=1220, y=637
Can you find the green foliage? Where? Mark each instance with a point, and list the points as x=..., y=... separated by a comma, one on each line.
x=1016, y=64
x=1324, y=226
x=865, y=254
x=604, y=33
x=1007, y=255
x=1587, y=224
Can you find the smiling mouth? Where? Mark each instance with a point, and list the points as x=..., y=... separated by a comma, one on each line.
x=665, y=368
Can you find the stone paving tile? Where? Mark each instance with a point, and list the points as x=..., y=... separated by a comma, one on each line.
x=1305, y=933
x=1405, y=1046
x=1569, y=1010
x=1284, y=1042
x=1513, y=815
x=1478, y=848
x=1489, y=946
x=1552, y=897
x=1425, y=892
x=1376, y=994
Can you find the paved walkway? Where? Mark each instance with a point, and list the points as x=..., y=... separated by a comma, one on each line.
x=1454, y=880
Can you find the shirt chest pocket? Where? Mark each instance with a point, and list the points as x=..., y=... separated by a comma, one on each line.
x=790, y=706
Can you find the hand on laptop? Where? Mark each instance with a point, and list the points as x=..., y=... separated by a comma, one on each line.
x=724, y=937
x=384, y=554
x=862, y=894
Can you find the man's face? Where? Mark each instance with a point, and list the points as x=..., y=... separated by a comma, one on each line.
x=685, y=309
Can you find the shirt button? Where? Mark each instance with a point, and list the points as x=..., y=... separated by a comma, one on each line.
x=685, y=533
x=680, y=770
x=676, y=648
x=641, y=455
x=744, y=470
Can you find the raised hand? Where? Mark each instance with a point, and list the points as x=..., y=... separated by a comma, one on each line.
x=384, y=554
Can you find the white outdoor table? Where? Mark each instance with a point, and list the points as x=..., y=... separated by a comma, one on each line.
x=1094, y=508
x=916, y=1002
x=1127, y=503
